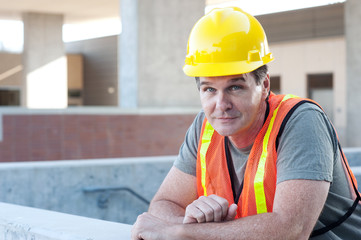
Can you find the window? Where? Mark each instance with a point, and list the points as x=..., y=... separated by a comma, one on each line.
x=320, y=89
x=9, y=97
x=275, y=84
x=75, y=97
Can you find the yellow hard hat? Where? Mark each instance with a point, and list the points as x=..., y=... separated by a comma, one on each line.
x=226, y=41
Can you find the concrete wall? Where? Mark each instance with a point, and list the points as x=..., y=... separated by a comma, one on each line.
x=164, y=28
x=24, y=223
x=100, y=69
x=19, y=223
x=91, y=188
x=353, y=156
x=79, y=187
x=353, y=62
x=152, y=50
x=44, y=62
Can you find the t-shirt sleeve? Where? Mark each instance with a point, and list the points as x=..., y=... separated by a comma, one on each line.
x=307, y=146
x=186, y=160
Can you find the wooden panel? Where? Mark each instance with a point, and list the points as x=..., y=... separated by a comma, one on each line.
x=10, y=70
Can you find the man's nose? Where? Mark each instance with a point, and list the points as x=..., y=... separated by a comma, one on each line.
x=223, y=102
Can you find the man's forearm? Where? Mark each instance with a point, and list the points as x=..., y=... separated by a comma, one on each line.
x=267, y=226
x=296, y=208
x=167, y=210
x=264, y=226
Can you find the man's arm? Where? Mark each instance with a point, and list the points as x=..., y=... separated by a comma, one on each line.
x=177, y=191
x=297, y=206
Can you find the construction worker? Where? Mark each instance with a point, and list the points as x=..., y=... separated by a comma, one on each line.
x=253, y=165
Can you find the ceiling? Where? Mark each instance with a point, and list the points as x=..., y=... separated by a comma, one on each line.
x=74, y=11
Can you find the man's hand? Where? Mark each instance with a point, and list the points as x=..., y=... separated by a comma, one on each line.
x=150, y=227
x=209, y=209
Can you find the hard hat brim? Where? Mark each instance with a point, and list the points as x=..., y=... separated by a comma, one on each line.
x=223, y=69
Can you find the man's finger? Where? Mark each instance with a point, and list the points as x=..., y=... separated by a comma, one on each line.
x=223, y=203
x=232, y=212
x=193, y=211
x=214, y=211
x=188, y=220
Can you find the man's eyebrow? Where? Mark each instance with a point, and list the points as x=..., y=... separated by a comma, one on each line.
x=237, y=79
x=201, y=83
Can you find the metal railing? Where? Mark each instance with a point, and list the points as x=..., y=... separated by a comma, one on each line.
x=103, y=198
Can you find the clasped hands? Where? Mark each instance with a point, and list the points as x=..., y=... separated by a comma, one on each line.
x=205, y=209
x=209, y=209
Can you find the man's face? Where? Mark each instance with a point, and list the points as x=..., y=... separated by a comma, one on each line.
x=234, y=104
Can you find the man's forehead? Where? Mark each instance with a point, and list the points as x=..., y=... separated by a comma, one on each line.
x=231, y=78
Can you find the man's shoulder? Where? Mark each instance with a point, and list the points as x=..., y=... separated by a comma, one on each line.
x=308, y=110
x=198, y=121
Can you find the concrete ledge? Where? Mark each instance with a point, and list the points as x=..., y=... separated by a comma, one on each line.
x=356, y=170
x=100, y=162
x=19, y=223
x=353, y=156
x=104, y=189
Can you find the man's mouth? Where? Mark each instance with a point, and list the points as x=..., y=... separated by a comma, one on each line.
x=225, y=119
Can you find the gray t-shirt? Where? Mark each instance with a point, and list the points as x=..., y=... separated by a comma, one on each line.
x=307, y=150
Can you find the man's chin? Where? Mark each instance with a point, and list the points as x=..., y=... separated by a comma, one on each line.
x=225, y=132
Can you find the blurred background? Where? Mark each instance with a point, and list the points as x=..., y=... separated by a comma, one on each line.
x=94, y=104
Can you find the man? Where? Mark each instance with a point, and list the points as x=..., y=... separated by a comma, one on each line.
x=253, y=165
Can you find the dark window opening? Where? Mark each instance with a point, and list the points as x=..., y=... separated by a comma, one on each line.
x=9, y=97
x=276, y=84
x=320, y=89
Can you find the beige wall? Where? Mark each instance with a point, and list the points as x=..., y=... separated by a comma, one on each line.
x=294, y=60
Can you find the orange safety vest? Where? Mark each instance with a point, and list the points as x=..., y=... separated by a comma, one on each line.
x=259, y=184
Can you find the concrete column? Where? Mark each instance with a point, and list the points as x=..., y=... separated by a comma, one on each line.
x=128, y=55
x=353, y=70
x=153, y=45
x=44, y=61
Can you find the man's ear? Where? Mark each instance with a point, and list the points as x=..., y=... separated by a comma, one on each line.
x=266, y=85
x=198, y=82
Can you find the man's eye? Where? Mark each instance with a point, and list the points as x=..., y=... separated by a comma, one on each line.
x=209, y=89
x=235, y=88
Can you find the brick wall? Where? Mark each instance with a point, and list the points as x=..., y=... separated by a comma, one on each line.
x=38, y=137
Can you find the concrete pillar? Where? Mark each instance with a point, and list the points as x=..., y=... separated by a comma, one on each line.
x=353, y=70
x=128, y=55
x=44, y=62
x=153, y=45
